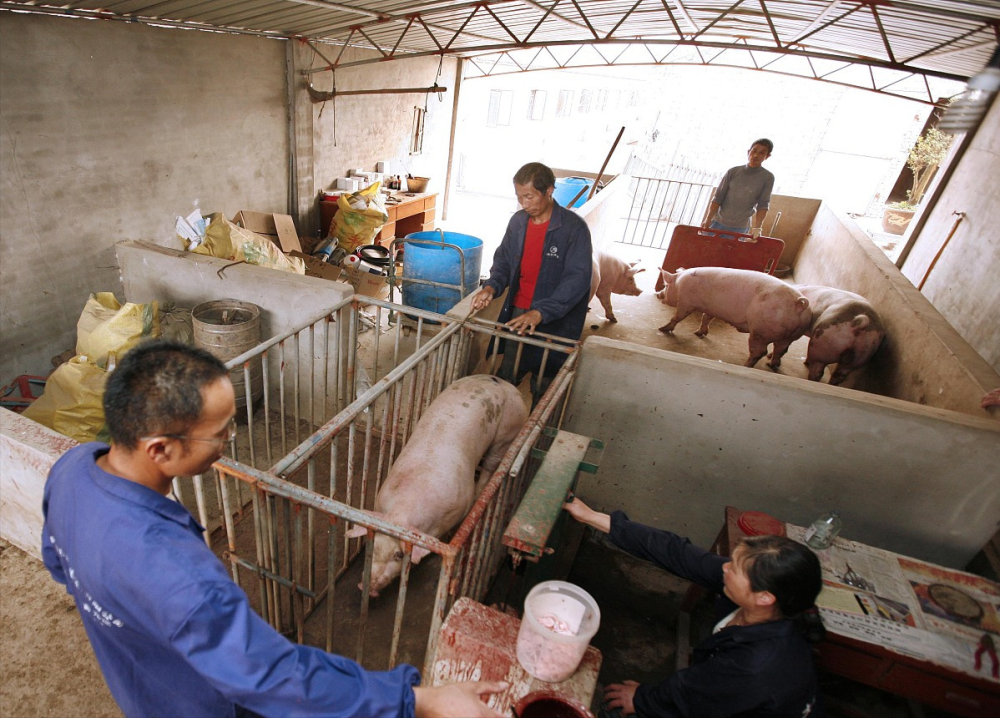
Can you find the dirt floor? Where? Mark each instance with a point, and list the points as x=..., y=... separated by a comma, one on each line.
x=47, y=668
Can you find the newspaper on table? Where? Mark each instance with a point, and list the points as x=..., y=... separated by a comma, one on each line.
x=914, y=608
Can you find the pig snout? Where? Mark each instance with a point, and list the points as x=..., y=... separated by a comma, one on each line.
x=387, y=564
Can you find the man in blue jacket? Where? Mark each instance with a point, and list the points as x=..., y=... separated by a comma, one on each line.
x=173, y=634
x=545, y=259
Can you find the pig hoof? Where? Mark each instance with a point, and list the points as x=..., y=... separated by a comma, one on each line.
x=667, y=329
x=611, y=318
x=701, y=333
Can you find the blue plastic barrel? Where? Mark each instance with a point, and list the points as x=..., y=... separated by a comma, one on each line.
x=438, y=263
x=567, y=188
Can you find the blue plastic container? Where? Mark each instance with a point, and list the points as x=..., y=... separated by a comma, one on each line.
x=440, y=264
x=567, y=188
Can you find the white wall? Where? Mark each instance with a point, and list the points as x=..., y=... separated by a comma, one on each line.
x=963, y=285
x=109, y=131
x=368, y=128
x=687, y=436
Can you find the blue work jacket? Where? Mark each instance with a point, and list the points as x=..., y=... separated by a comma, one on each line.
x=173, y=634
x=760, y=671
x=562, y=290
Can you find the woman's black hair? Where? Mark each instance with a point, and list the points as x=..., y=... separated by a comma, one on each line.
x=537, y=175
x=791, y=572
x=156, y=390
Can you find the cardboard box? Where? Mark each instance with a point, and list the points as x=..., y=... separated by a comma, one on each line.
x=316, y=267
x=279, y=228
x=370, y=285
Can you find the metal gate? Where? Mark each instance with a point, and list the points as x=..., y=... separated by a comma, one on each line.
x=336, y=433
x=659, y=204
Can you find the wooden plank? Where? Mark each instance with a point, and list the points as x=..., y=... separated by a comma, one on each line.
x=529, y=529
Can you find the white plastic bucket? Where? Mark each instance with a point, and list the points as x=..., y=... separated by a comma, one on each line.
x=552, y=654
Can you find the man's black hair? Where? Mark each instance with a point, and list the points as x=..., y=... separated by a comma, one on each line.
x=764, y=141
x=537, y=175
x=156, y=390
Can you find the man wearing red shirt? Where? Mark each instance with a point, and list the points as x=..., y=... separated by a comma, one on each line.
x=545, y=259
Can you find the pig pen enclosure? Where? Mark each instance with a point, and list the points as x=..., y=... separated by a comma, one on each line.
x=310, y=455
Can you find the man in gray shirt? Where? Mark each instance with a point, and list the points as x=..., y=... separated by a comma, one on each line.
x=744, y=194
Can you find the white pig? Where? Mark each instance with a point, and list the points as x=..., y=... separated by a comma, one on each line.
x=766, y=307
x=846, y=330
x=432, y=485
x=612, y=276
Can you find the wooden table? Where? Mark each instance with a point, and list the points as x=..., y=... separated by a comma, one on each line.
x=897, y=637
x=414, y=212
x=479, y=643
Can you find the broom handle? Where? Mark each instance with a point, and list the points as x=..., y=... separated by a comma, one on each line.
x=605, y=165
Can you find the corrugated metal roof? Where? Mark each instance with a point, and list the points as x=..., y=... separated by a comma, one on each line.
x=942, y=38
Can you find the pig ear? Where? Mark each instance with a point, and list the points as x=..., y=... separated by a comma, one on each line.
x=632, y=264
x=418, y=553
x=357, y=532
x=633, y=272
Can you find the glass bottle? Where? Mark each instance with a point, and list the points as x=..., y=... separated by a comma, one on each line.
x=823, y=530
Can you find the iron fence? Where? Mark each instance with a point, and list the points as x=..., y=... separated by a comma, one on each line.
x=340, y=413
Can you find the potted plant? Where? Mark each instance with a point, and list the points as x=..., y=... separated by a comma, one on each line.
x=926, y=155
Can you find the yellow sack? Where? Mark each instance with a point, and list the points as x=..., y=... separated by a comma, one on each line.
x=359, y=217
x=225, y=240
x=106, y=327
x=72, y=401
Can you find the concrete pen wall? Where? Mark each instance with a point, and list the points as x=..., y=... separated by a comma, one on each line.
x=687, y=436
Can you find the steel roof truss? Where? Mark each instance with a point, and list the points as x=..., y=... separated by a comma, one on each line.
x=952, y=41
x=881, y=30
x=584, y=17
x=544, y=17
x=428, y=31
x=502, y=25
x=718, y=18
x=625, y=17
x=770, y=23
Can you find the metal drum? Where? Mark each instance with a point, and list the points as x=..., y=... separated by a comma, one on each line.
x=228, y=328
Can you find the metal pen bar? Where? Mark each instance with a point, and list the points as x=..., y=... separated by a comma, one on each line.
x=295, y=388
x=290, y=538
x=310, y=557
x=295, y=458
x=199, y=495
x=259, y=540
x=267, y=405
x=397, y=625
x=331, y=581
x=248, y=393
x=237, y=560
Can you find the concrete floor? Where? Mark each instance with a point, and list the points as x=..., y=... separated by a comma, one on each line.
x=640, y=317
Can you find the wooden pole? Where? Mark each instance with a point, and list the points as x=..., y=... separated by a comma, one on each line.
x=605, y=165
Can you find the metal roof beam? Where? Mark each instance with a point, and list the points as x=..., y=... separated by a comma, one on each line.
x=718, y=18
x=858, y=60
x=770, y=23
x=881, y=30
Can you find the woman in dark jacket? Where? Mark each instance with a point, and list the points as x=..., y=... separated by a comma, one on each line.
x=758, y=661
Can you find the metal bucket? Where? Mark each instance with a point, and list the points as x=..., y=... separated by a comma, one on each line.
x=227, y=328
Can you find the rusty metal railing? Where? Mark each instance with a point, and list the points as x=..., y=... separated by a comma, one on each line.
x=282, y=525
x=658, y=203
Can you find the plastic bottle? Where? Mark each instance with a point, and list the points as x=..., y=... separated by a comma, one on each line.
x=823, y=530
x=325, y=249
